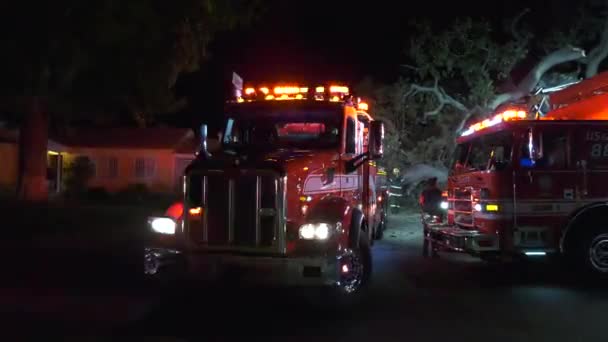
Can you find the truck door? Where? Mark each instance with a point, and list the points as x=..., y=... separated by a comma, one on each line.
x=367, y=173
x=590, y=149
x=545, y=187
x=353, y=182
x=349, y=179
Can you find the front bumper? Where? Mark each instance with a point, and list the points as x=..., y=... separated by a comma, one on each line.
x=455, y=239
x=253, y=269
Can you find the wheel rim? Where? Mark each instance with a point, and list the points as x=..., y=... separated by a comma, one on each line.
x=351, y=282
x=151, y=264
x=598, y=253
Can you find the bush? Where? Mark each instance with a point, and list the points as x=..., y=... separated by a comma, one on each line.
x=134, y=193
x=98, y=194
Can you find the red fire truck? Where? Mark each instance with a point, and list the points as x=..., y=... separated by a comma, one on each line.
x=289, y=198
x=532, y=184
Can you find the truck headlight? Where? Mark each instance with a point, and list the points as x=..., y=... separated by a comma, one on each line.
x=162, y=225
x=444, y=205
x=315, y=231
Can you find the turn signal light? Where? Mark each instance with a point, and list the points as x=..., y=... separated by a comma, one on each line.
x=363, y=106
x=491, y=207
x=196, y=211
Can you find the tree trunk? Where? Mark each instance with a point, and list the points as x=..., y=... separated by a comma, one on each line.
x=33, y=140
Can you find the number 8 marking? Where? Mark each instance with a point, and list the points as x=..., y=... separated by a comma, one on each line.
x=599, y=150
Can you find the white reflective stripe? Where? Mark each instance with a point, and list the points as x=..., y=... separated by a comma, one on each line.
x=314, y=184
x=492, y=216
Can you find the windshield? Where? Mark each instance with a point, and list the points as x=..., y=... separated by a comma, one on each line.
x=488, y=152
x=287, y=131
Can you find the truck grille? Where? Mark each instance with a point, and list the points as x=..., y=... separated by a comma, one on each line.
x=242, y=210
x=463, y=208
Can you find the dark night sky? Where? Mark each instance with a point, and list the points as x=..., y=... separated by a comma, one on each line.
x=313, y=40
x=338, y=39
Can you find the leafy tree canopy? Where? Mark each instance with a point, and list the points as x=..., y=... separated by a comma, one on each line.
x=466, y=70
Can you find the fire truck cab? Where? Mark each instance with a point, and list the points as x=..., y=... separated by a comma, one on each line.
x=290, y=197
x=532, y=184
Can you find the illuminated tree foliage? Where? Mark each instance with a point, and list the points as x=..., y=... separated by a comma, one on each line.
x=467, y=70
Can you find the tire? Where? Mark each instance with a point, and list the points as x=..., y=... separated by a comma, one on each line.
x=425, y=248
x=351, y=291
x=379, y=234
x=591, y=253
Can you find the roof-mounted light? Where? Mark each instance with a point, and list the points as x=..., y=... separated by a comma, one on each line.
x=338, y=89
x=286, y=90
x=291, y=91
x=507, y=115
x=363, y=106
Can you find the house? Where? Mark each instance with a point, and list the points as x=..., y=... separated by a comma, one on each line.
x=121, y=157
x=9, y=166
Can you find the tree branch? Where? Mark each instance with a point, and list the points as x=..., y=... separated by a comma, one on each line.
x=531, y=80
x=411, y=67
x=442, y=97
x=515, y=22
x=597, y=54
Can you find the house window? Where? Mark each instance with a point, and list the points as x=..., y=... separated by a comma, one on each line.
x=145, y=167
x=112, y=167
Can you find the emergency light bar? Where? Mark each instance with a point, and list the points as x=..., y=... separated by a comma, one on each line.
x=334, y=93
x=507, y=115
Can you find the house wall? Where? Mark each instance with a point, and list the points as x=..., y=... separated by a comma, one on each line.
x=9, y=165
x=160, y=180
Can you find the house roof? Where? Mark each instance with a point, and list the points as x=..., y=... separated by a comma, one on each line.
x=144, y=138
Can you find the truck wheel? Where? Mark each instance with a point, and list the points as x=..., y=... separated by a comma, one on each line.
x=380, y=230
x=593, y=252
x=356, y=275
x=425, y=247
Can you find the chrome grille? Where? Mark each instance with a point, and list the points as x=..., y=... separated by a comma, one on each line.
x=242, y=210
x=463, y=208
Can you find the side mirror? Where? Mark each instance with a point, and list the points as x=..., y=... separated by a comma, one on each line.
x=376, y=140
x=203, y=147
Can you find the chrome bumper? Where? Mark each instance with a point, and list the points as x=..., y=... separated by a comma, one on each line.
x=253, y=269
x=460, y=240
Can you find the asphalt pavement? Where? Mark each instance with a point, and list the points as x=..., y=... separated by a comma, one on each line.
x=411, y=298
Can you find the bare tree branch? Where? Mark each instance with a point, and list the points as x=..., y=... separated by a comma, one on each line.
x=597, y=54
x=533, y=77
x=442, y=97
x=515, y=22
x=467, y=116
x=411, y=67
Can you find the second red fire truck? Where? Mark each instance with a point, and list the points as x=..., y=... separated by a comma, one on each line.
x=290, y=197
x=534, y=183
